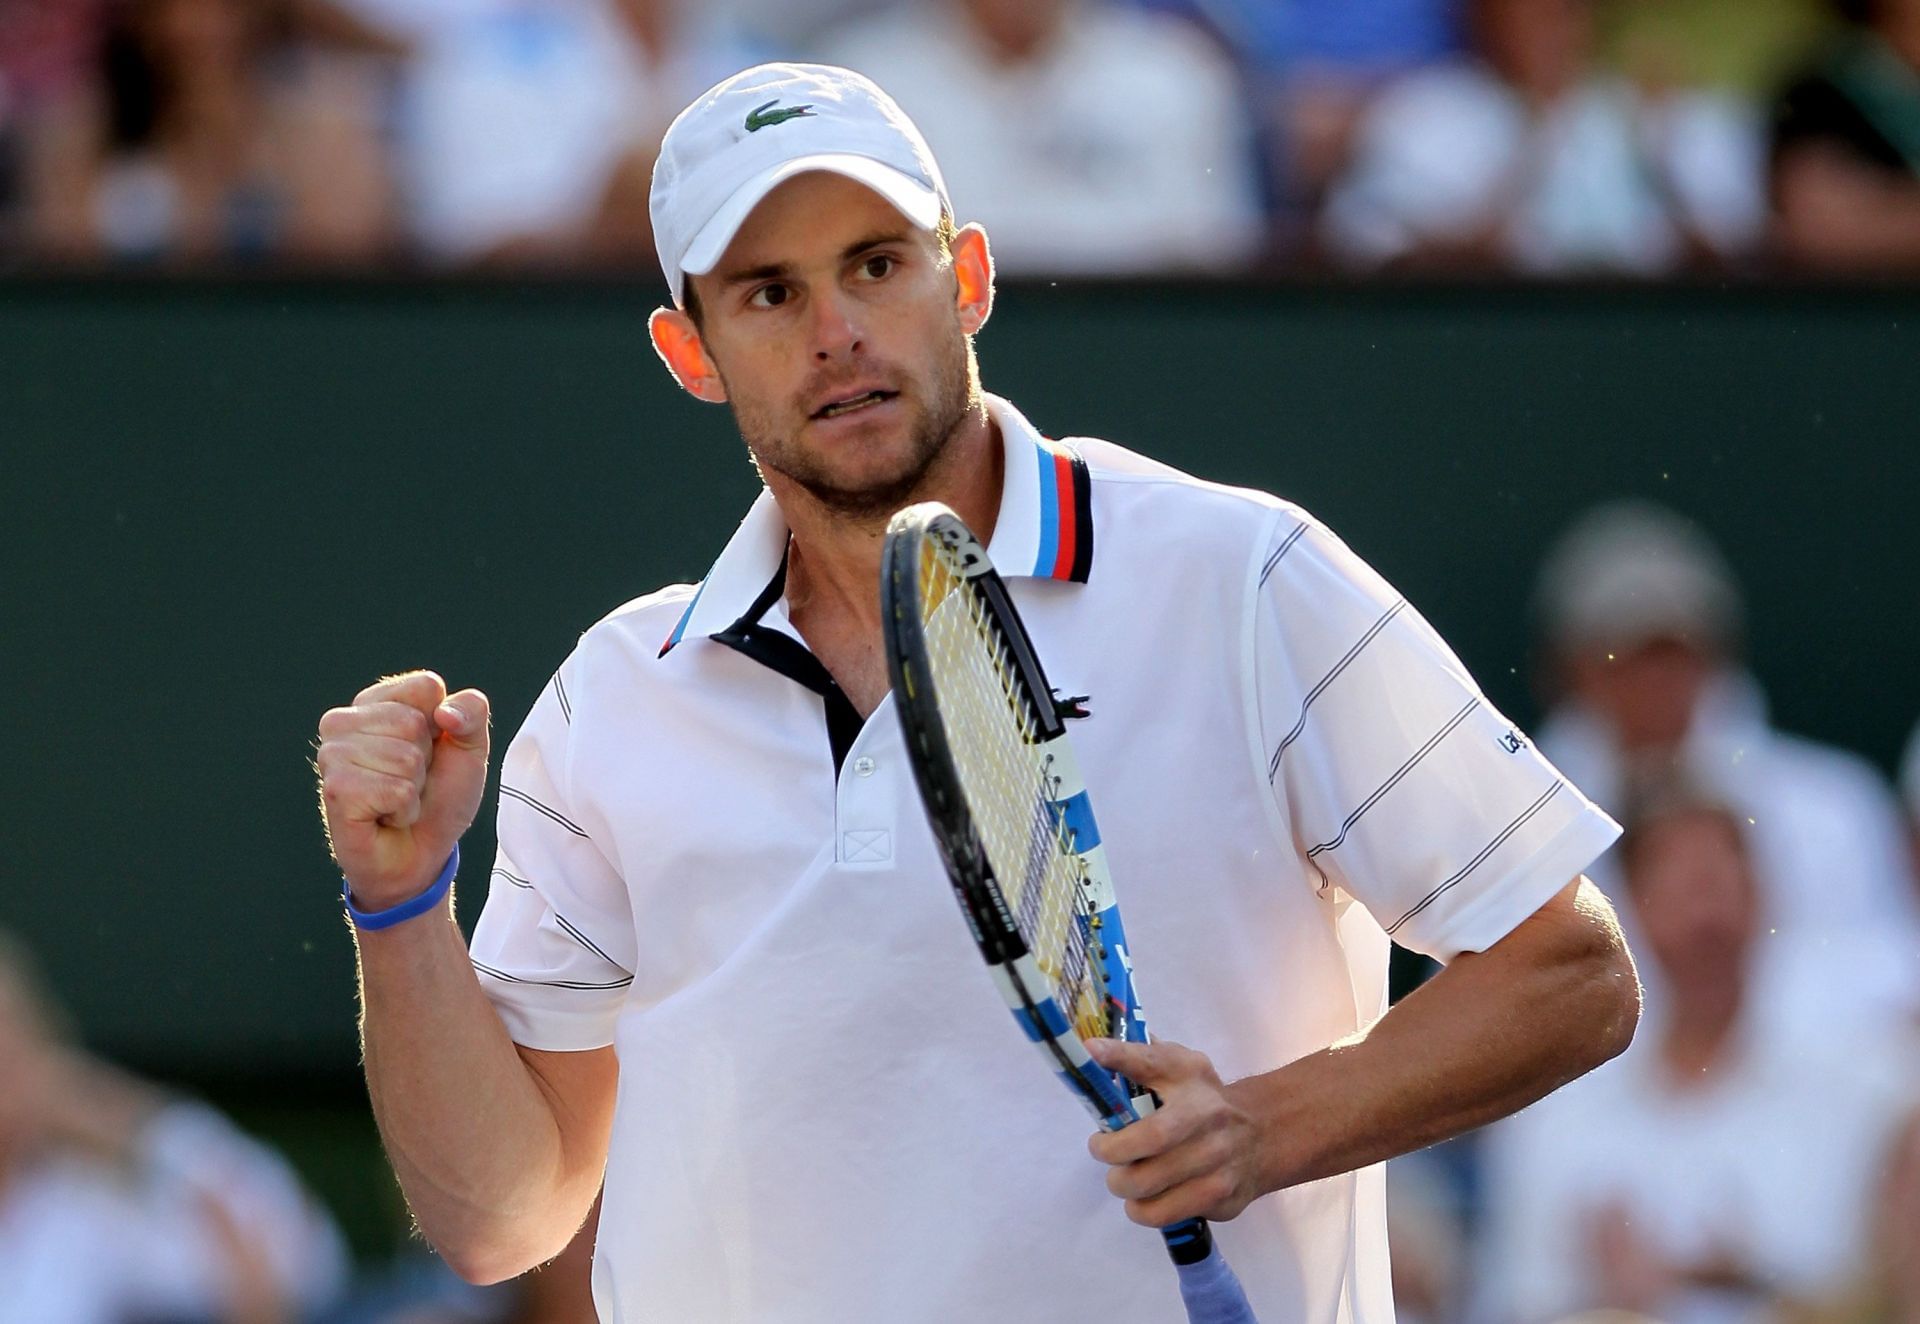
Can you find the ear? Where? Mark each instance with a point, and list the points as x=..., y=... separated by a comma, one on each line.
x=677, y=340
x=973, y=277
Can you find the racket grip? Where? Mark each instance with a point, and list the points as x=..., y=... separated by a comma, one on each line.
x=1208, y=1286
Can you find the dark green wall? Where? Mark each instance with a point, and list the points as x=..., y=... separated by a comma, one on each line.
x=229, y=506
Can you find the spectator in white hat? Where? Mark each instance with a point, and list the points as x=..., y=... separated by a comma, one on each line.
x=1641, y=622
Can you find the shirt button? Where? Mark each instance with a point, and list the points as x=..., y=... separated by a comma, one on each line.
x=863, y=765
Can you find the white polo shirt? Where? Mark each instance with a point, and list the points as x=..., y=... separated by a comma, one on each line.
x=825, y=1114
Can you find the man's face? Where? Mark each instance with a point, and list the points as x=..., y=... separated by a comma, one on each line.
x=1696, y=899
x=833, y=323
x=1535, y=43
x=1646, y=691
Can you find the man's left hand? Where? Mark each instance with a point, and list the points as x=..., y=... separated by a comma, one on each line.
x=1194, y=1156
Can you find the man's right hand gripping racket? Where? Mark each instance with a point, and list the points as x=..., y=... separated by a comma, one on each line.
x=1011, y=818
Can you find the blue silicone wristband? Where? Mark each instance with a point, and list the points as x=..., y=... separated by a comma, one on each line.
x=406, y=910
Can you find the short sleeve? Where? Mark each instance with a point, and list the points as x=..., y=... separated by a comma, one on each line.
x=1404, y=788
x=554, y=947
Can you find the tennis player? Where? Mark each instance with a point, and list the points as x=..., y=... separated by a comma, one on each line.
x=718, y=964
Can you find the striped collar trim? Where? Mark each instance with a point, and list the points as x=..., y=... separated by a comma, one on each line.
x=1044, y=530
x=1045, y=527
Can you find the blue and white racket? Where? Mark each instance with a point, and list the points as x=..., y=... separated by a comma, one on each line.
x=1014, y=826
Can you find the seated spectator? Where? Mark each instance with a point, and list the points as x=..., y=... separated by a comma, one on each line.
x=1087, y=139
x=119, y=1203
x=1846, y=147
x=1717, y=1170
x=1641, y=624
x=531, y=125
x=51, y=108
x=219, y=147
x=1529, y=157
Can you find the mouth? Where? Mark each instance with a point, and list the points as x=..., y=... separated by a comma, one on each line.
x=852, y=404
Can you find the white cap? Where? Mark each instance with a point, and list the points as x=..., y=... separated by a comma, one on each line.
x=744, y=137
x=1632, y=571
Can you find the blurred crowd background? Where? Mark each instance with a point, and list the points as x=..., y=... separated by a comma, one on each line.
x=1754, y=1157
x=1564, y=137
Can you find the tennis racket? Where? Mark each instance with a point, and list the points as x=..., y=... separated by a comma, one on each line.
x=1014, y=827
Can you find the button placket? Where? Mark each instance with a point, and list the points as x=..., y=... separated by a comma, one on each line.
x=865, y=803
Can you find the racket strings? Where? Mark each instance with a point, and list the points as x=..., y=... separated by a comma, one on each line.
x=998, y=753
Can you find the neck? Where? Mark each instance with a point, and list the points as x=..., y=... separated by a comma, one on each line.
x=834, y=567
x=650, y=27
x=1699, y=1032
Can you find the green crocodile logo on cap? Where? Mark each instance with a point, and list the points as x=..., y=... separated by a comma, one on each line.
x=761, y=116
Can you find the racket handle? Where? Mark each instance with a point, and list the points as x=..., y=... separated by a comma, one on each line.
x=1208, y=1285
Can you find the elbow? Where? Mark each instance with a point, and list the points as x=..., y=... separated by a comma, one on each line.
x=1605, y=987
x=1593, y=984
x=482, y=1265
x=1616, y=999
x=484, y=1256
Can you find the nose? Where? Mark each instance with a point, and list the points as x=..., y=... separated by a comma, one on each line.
x=837, y=333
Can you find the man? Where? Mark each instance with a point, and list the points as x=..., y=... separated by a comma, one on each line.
x=1698, y=1190
x=716, y=887
x=1642, y=622
x=1088, y=137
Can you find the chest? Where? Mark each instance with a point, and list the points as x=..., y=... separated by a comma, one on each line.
x=744, y=842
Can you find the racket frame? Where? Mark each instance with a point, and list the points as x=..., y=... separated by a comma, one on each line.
x=1113, y=1100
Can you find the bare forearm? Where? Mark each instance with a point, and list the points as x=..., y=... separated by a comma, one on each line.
x=470, y=1131
x=1490, y=1034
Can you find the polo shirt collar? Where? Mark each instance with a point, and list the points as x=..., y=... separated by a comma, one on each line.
x=1044, y=531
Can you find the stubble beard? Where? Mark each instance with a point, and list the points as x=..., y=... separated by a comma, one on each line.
x=954, y=391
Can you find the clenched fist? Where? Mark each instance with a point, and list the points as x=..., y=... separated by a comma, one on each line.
x=401, y=775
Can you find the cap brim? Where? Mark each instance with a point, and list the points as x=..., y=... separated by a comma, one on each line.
x=912, y=199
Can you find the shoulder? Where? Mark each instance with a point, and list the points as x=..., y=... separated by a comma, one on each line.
x=1163, y=524
x=1839, y=777
x=636, y=629
x=616, y=654
x=615, y=664
x=1133, y=487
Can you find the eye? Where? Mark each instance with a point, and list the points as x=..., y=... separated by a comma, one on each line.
x=769, y=296
x=878, y=267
